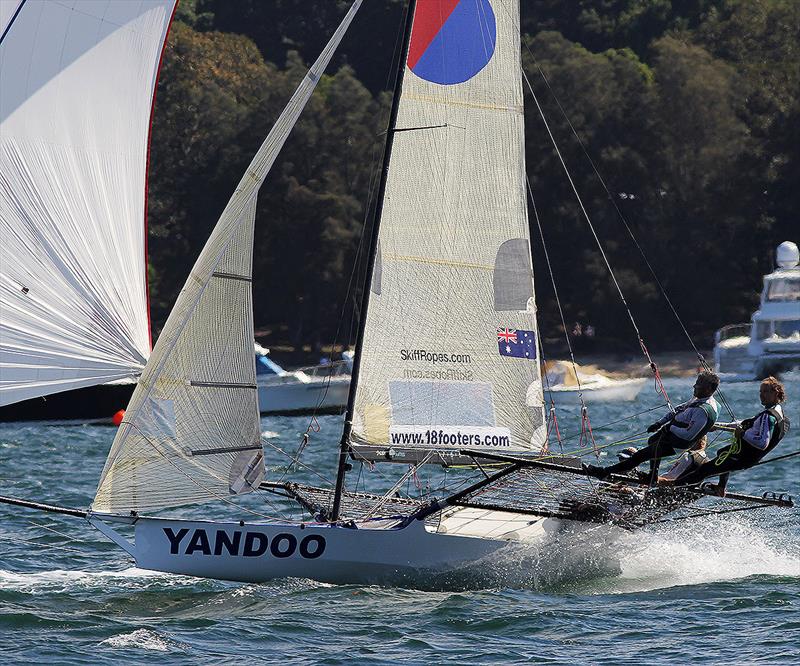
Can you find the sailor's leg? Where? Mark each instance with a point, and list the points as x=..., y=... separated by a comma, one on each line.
x=652, y=451
x=720, y=466
x=746, y=458
x=655, y=462
x=696, y=475
x=659, y=446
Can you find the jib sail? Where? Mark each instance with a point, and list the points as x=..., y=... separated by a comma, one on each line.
x=191, y=432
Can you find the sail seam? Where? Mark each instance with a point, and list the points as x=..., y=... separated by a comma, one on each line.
x=467, y=105
x=440, y=262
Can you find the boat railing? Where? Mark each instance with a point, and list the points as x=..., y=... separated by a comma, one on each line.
x=334, y=369
x=732, y=331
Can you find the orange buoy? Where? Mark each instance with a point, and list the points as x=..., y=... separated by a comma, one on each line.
x=117, y=418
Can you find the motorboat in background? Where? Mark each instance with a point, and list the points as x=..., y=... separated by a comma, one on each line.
x=770, y=343
x=319, y=389
x=566, y=382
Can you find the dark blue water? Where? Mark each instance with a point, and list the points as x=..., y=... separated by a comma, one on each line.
x=722, y=589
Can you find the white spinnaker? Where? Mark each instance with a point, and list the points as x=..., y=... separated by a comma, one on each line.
x=77, y=81
x=191, y=432
x=454, y=262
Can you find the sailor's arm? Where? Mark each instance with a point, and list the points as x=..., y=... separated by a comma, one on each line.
x=759, y=434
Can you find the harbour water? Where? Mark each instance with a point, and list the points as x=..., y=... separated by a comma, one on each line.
x=719, y=589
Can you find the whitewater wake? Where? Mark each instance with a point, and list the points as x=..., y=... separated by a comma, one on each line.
x=62, y=580
x=716, y=549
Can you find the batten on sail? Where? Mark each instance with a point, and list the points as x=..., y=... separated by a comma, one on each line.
x=73, y=144
x=191, y=432
x=449, y=353
x=194, y=426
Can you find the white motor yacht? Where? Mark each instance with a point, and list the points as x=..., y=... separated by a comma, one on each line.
x=321, y=389
x=770, y=343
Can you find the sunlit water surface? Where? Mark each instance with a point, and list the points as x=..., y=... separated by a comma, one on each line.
x=721, y=589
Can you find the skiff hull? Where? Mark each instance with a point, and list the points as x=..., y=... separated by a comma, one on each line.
x=375, y=553
x=91, y=404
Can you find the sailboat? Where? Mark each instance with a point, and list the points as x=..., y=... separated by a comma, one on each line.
x=446, y=367
x=74, y=139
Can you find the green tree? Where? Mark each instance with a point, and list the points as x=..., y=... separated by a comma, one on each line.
x=217, y=100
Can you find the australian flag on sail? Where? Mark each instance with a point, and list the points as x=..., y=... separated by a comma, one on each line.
x=516, y=342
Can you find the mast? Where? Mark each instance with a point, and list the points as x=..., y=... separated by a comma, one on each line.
x=344, y=445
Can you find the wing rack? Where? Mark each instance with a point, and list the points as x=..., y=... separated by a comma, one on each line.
x=566, y=491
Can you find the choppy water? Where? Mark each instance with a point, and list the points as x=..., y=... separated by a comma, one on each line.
x=724, y=589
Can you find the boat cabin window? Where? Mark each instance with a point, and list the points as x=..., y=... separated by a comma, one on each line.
x=785, y=329
x=763, y=329
x=783, y=289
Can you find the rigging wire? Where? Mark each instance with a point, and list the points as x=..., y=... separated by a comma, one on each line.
x=624, y=418
x=703, y=362
x=68, y=537
x=298, y=462
x=776, y=458
x=552, y=417
x=584, y=409
x=371, y=191
x=31, y=542
x=643, y=347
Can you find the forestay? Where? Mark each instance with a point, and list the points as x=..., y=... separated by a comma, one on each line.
x=449, y=357
x=191, y=432
x=77, y=81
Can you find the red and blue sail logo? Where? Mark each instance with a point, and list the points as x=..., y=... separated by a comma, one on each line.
x=451, y=40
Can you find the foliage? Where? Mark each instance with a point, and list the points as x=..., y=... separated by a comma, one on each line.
x=688, y=109
x=216, y=102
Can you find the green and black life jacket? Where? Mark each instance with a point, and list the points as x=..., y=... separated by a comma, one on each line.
x=709, y=406
x=779, y=430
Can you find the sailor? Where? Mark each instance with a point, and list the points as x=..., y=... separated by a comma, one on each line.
x=678, y=430
x=685, y=464
x=753, y=438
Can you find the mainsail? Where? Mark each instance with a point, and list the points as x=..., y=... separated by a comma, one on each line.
x=191, y=432
x=449, y=354
x=77, y=81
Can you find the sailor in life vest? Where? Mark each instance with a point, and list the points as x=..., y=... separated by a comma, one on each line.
x=678, y=430
x=753, y=438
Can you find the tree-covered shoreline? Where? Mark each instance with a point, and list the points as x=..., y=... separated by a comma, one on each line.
x=688, y=108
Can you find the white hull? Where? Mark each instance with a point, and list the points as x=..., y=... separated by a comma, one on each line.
x=770, y=343
x=288, y=394
x=624, y=390
x=378, y=552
